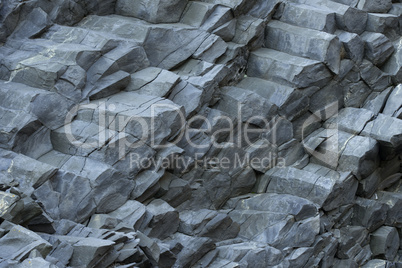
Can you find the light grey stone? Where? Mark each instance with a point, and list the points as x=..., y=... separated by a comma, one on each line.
x=347, y=18
x=301, y=72
x=394, y=103
x=381, y=23
x=291, y=102
x=385, y=242
x=351, y=120
x=351, y=241
x=220, y=16
x=196, y=13
x=369, y=213
x=236, y=100
x=376, y=79
x=19, y=242
x=163, y=44
x=211, y=49
x=309, y=17
x=376, y=101
x=227, y=31
x=387, y=130
x=193, y=249
x=394, y=201
x=378, y=48
x=375, y=6
x=161, y=213
x=152, y=10
x=302, y=42
x=249, y=31
x=353, y=44
x=153, y=81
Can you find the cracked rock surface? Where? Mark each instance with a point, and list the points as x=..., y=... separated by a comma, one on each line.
x=210, y=133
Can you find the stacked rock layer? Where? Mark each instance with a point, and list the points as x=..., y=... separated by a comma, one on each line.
x=211, y=133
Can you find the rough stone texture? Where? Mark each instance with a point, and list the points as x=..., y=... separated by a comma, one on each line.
x=211, y=133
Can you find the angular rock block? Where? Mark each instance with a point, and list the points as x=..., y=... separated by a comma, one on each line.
x=375, y=102
x=303, y=42
x=286, y=69
x=162, y=213
x=309, y=17
x=326, y=192
x=233, y=102
x=369, y=213
x=153, y=81
x=353, y=44
x=343, y=151
x=19, y=242
x=295, y=206
x=384, y=242
x=351, y=120
x=381, y=23
x=249, y=31
x=249, y=254
x=24, y=171
x=351, y=242
x=378, y=48
x=208, y=223
x=394, y=202
x=120, y=26
x=155, y=11
x=197, y=13
x=375, y=6
x=393, y=107
x=164, y=42
x=393, y=65
x=388, y=131
x=376, y=79
x=291, y=102
x=348, y=18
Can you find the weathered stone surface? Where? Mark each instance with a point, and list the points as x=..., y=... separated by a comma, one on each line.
x=351, y=120
x=375, y=102
x=125, y=137
x=393, y=65
x=351, y=242
x=309, y=17
x=387, y=130
x=19, y=242
x=378, y=48
x=375, y=6
x=374, y=77
x=394, y=103
x=233, y=102
x=304, y=43
x=300, y=72
x=385, y=242
x=353, y=45
x=291, y=102
x=369, y=213
x=347, y=18
x=152, y=10
x=161, y=213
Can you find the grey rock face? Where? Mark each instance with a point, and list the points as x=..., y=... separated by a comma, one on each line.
x=301, y=72
x=153, y=10
x=310, y=43
x=211, y=133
